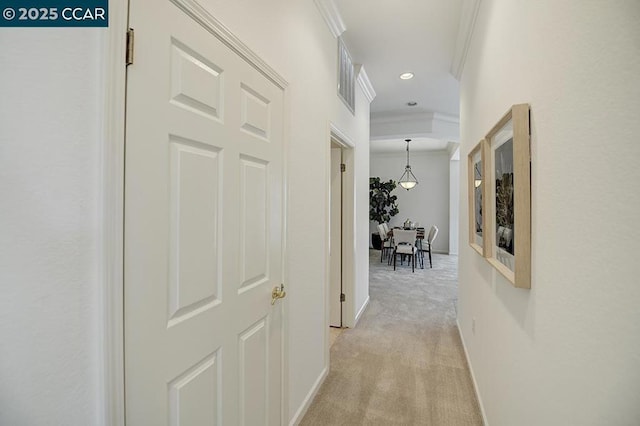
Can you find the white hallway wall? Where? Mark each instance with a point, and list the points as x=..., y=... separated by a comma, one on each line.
x=50, y=165
x=49, y=250
x=428, y=202
x=567, y=351
x=454, y=206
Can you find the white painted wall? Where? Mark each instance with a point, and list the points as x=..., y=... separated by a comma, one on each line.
x=49, y=251
x=454, y=205
x=428, y=202
x=362, y=204
x=566, y=352
x=50, y=163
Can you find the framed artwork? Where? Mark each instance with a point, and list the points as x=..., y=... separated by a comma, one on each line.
x=477, y=196
x=508, y=206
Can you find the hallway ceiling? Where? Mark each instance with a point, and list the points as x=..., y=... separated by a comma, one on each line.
x=418, y=36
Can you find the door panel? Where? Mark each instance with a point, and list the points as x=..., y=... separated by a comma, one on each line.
x=193, y=396
x=196, y=84
x=255, y=113
x=203, y=229
x=195, y=176
x=254, y=226
x=254, y=395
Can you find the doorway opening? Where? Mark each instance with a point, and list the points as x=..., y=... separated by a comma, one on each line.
x=336, y=290
x=341, y=243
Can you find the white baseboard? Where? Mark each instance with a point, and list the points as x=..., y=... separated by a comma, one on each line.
x=297, y=418
x=473, y=377
x=361, y=311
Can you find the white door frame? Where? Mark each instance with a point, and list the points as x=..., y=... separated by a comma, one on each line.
x=111, y=387
x=111, y=397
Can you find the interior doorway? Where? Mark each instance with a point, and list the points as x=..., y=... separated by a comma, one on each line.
x=336, y=291
x=341, y=238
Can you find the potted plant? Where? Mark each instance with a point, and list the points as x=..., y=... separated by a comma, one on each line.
x=382, y=205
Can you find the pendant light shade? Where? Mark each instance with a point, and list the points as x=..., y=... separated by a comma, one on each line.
x=408, y=179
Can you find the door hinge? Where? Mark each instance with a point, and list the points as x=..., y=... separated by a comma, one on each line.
x=343, y=167
x=342, y=299
x=129, y=53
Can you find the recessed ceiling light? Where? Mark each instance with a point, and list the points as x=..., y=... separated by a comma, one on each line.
x=412, y=103
x=406, y=76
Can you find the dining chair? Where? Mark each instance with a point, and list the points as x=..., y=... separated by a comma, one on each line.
x=386, y=244
x=433, y=233
x=405, y=244
x=385, y=225
x=388, y=233
x=420, y=234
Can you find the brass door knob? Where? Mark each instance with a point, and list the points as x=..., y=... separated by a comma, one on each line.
x=277, y=293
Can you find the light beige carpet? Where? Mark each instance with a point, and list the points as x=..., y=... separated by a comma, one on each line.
x=404, y=363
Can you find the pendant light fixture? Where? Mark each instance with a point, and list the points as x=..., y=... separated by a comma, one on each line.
x=408, y=179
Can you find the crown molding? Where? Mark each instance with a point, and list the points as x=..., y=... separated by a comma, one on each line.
x=447, y=118
x=429, y=124
x=331, y=16
x=365, y=83
x=417, y=153
x=399, y=116
x=403, y=116
x=467, y=23
x=202, y=16
x=453, y=148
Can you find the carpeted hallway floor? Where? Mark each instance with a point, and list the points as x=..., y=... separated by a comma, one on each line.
x=404, y=363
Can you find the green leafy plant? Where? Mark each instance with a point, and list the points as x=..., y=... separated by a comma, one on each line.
x=382, y=205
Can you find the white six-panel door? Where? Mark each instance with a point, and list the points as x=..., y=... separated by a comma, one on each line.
x=203, y=229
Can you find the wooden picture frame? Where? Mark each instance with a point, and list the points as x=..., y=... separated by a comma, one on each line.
x=508, y=206
x=477, y=189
